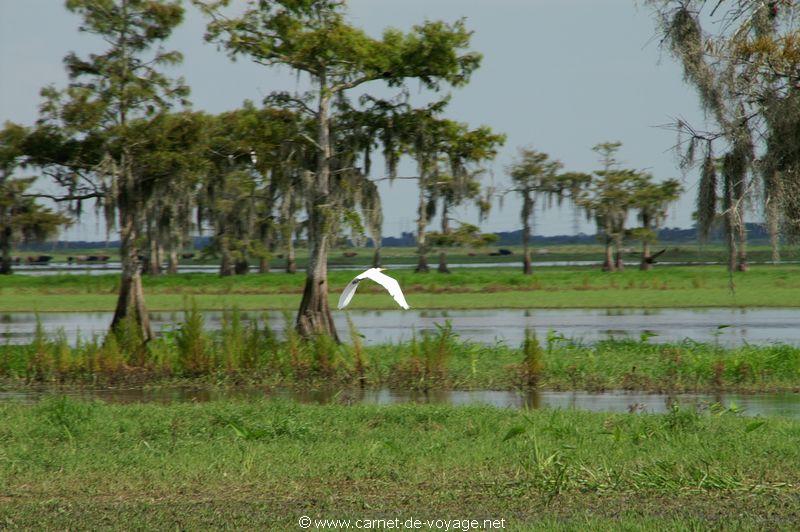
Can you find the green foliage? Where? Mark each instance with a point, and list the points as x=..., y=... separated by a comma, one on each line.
x=651, y=201
x=534, y=176
x=22, y=220
x=96, y=136
x=465, y=235
x=314, y=36
x=610, y=195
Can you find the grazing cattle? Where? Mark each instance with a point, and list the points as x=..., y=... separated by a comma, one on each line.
x=16, y=260
x=39, y=259
x=187, y=255
x=350, y=254
x=501, y=252
x=88, y=258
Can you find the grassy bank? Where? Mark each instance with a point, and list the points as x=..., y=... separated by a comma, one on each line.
x=247, y=353
x=674, y=286
x=74, y=465
x=674, y=252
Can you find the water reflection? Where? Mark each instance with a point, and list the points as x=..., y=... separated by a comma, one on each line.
x=784, y=405
x=754, y=326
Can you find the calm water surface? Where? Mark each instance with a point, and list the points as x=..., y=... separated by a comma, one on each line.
x=754, y=326
x=114, y=267
x=784, y=405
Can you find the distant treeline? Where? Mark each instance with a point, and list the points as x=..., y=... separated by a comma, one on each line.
x=755, y=232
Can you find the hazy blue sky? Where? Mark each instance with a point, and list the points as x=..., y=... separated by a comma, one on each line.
x=557, y=75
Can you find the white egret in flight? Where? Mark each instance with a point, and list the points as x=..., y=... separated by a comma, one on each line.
x=382, y=279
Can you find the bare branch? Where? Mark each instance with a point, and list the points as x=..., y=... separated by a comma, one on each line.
x=64, y=198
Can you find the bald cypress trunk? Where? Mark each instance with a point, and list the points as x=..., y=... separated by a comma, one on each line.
x=172, y=259
x=263, y=265
x=608, y=263
x=291, y=257
x=773, y=218
x=130, y=302
x=314, y=316
x=266, y=241
x=376, y=257
x=443, y=263
x=527, y=208
x=445, y=230
x=226, y=265
x=619, y=265
x=730, y=224
x=5, y=247
x=742, y=265
x=422, y=224
x=153, y=259
x=774, y=242
x=646, y=264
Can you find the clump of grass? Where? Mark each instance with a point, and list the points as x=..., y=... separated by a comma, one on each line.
x=129, y=338
x=718, y=373
x=324, y=353
x=427, y=364
x=232, y=348
x=192, y=343
x=294, y=346
x=681, y=418
x=533, y=359
x=40, y=360
x=359, y=358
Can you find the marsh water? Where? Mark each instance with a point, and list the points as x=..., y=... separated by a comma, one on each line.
x=783, y=405
x=755, y=326
x=114, y=267
x=726, y=326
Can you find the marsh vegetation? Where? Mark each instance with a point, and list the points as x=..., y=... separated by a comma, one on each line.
x=249, y=352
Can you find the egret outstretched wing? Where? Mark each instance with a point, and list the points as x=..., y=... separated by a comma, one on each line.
x=390, y=284
x=348, y=292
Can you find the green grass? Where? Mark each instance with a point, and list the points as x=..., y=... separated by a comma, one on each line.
x=669, y=286
x=244, y=352
x=675, y=252
x=263, y=464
